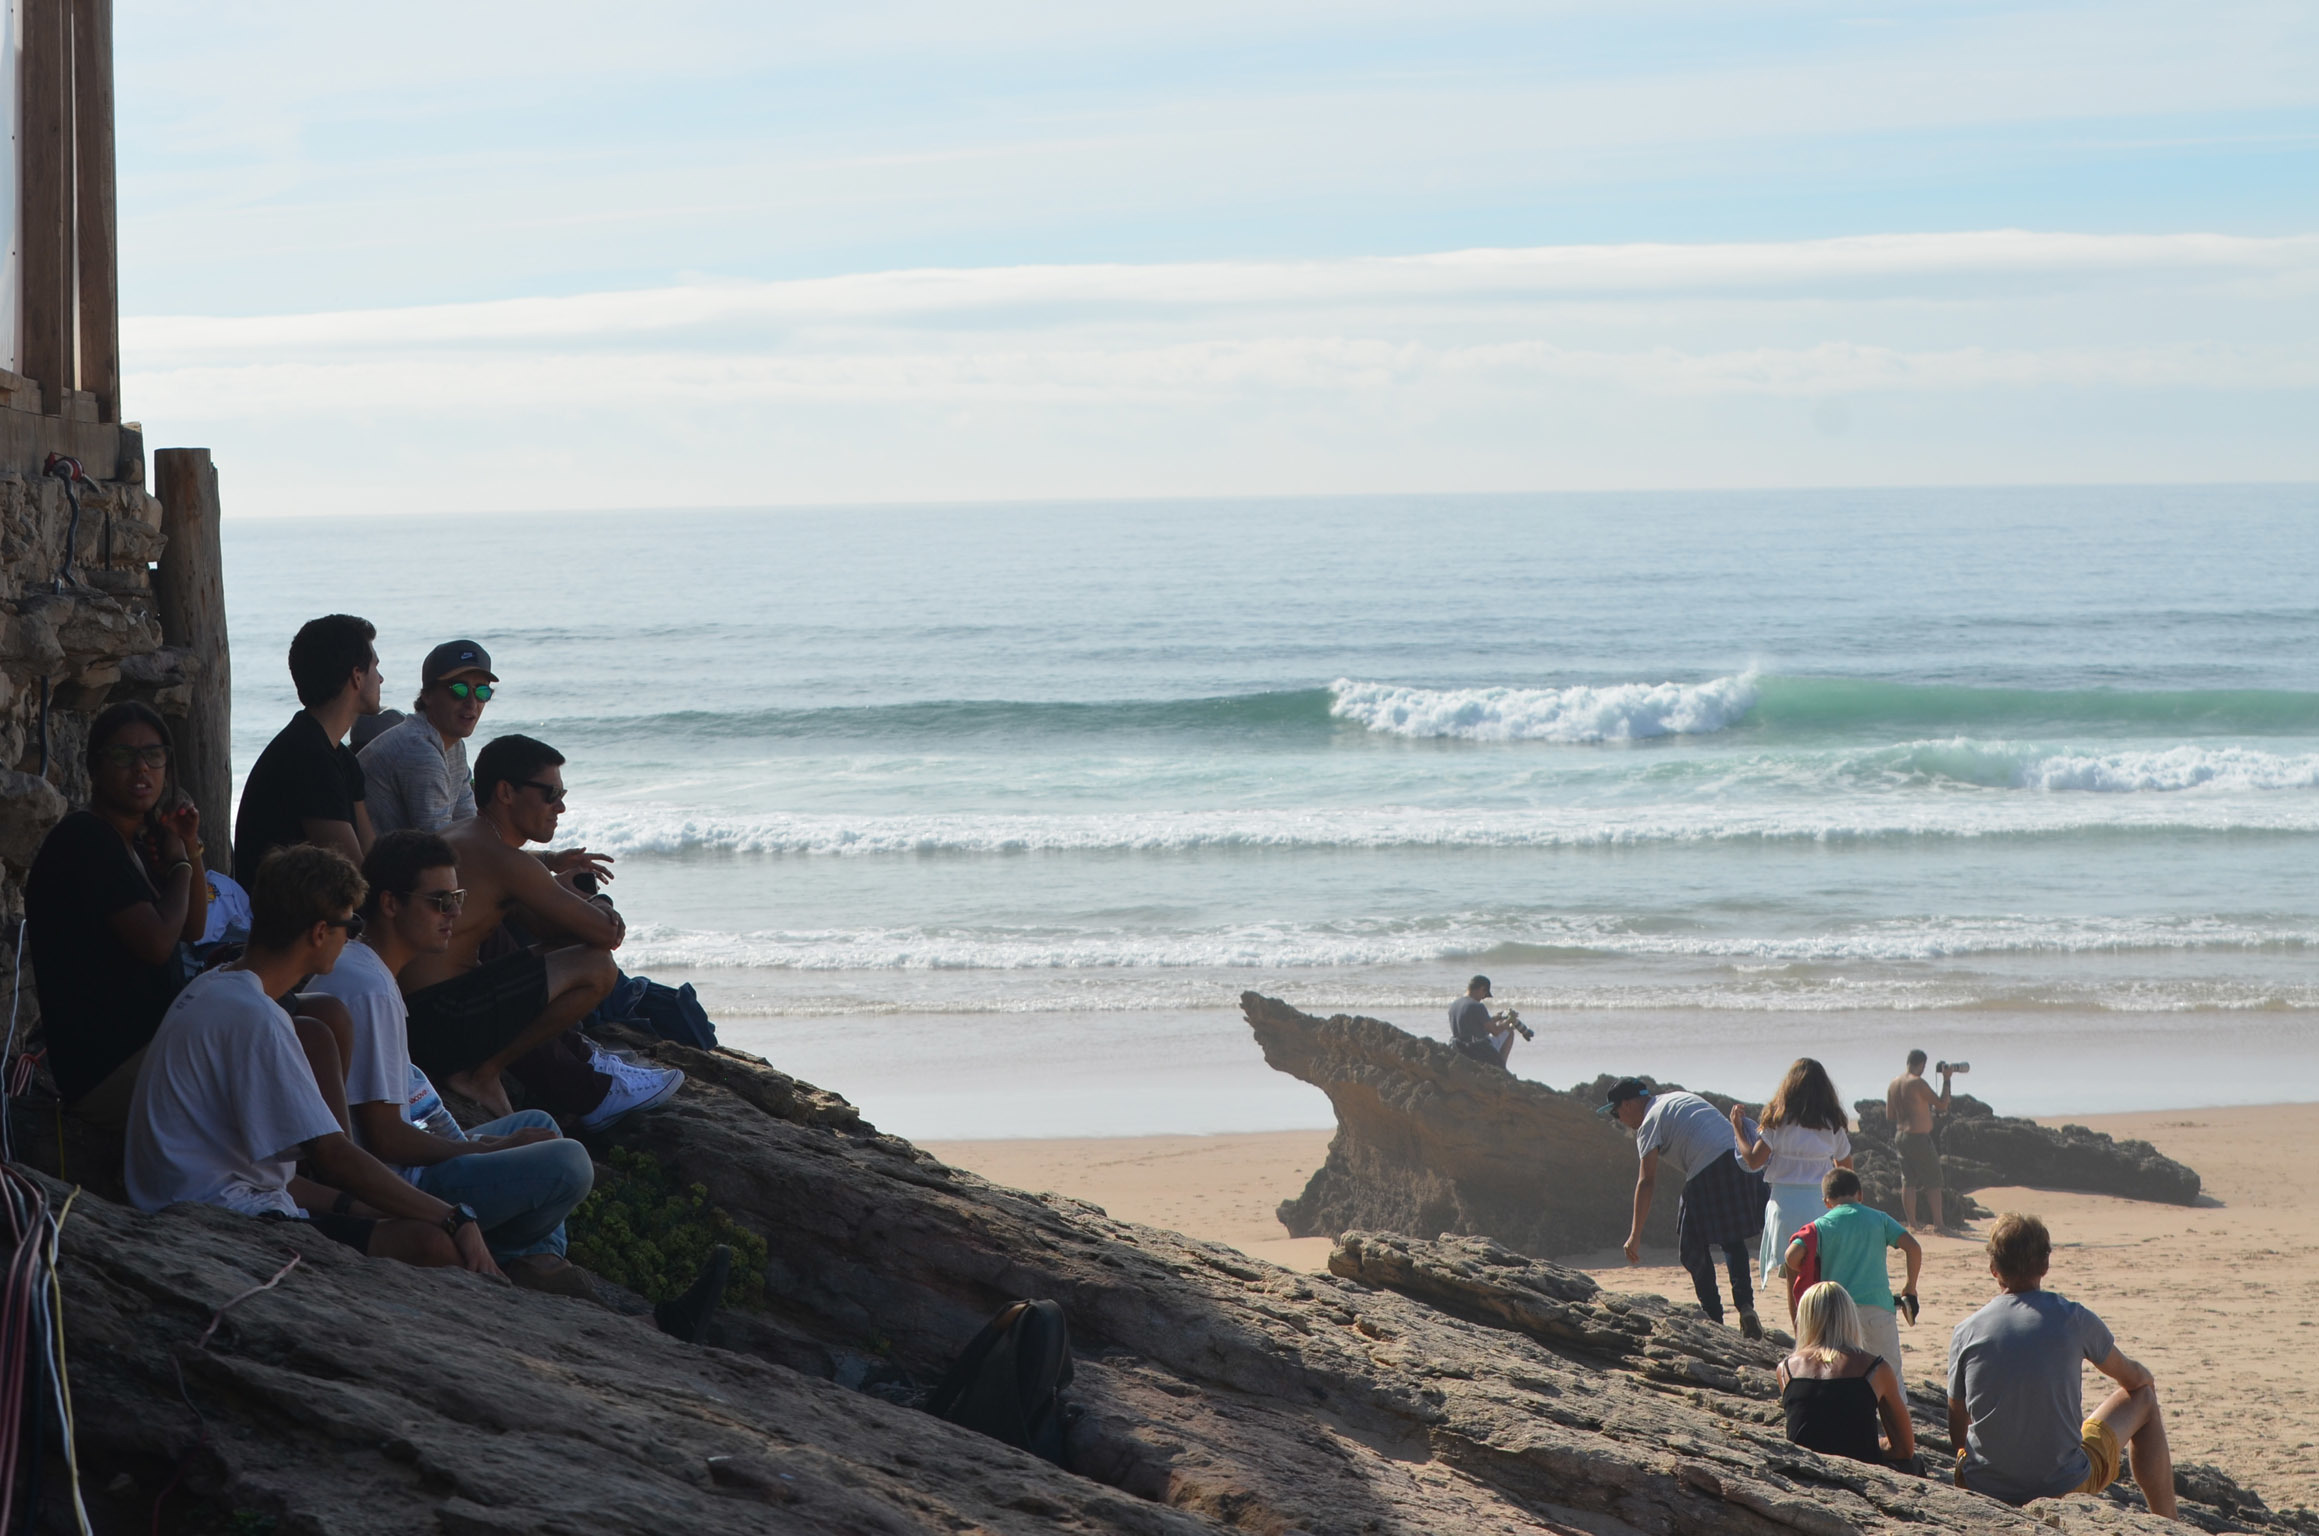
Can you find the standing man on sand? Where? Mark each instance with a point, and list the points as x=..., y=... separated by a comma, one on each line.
x=1475, y=1030
x=2015, y=1389
x=472, y=1019
x=1913, y=1105
x=1721, y=1204
x=306, y=787
x=416, y=772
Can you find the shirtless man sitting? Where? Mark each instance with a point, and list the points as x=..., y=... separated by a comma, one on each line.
x=1912, y=1104
x=472, y=1019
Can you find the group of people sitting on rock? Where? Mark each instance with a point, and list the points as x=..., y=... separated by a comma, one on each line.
x=2014, y=1366
x=270, y=1042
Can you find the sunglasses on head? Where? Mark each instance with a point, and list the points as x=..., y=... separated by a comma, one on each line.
x=155, y=756
x=479, y=692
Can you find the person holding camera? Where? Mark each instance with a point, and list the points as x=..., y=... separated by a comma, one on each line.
x=1485, y=1036
x=1913, y=1106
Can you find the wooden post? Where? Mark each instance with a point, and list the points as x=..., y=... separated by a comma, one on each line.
x=189, y=589
x=44, y=142
x=98, y=262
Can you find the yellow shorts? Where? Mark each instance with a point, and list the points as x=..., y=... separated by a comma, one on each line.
x=2102, y=1451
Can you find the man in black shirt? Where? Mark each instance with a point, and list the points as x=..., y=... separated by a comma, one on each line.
x=306, y=787
x=113, y=891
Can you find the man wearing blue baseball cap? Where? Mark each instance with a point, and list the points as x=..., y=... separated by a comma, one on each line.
x=416, y=773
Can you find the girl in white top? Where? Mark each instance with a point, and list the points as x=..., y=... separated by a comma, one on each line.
x=1803, y=1133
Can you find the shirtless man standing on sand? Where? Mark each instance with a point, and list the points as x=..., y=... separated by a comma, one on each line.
x=1912, y=1104
x=471, y=1019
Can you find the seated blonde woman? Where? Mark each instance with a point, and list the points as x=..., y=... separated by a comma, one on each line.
x=1835, y=1390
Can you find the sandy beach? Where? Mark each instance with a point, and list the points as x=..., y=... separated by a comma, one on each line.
x=2183, y=1288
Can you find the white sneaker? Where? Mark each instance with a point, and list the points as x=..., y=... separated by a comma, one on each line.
x=633, y=1088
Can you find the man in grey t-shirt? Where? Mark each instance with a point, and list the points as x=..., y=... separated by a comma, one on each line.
x=2013, y=1389
x=1475, y=1030
x=416, y=773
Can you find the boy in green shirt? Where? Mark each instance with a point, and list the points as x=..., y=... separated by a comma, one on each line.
x=1852, y=1240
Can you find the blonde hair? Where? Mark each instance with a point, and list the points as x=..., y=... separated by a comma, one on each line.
x=1827, y=1323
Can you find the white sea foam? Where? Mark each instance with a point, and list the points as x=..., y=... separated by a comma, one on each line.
x=1523, y=939
x=1829, y=818
x=1621, y=712
x=2164, y=770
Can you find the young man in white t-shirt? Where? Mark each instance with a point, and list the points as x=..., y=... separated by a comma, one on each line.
x=517, y=1173
x=226, y=1102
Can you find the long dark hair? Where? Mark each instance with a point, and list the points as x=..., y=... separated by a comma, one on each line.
x=1806, y=1098
x=117, y=718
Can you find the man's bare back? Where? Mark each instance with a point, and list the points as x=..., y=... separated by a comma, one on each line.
x=1909, y=1100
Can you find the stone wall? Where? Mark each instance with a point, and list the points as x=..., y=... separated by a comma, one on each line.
x=78, y=631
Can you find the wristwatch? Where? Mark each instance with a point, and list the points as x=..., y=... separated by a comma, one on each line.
x=461, y=1215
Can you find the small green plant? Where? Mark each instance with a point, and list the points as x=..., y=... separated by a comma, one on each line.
x=638, y=1229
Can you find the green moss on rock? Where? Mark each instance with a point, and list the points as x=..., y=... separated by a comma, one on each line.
x=637, y=1228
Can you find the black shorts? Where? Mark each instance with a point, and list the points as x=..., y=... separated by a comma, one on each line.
x=354, y=1231
x=469, y=1019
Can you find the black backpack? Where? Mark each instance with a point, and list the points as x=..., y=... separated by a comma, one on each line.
x=1009, y=1383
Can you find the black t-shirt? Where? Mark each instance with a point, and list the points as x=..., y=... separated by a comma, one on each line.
x=302, y=775
x=99, y=1003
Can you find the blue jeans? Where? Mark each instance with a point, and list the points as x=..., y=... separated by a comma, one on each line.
x=521, y=1195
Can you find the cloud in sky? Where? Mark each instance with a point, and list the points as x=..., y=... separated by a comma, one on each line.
x=2002, y=355
x=579, y=254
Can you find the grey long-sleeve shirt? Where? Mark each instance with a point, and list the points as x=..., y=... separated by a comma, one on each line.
x=413, y=780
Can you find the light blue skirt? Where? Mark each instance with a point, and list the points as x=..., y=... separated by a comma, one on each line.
x=1793, y=1207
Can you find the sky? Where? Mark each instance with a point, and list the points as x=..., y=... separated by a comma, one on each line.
x=522, y=256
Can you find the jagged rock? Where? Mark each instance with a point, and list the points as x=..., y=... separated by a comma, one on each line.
x=1981, y=1148
x=28, y=808
x=1430, y=1142
x=1220, y=1393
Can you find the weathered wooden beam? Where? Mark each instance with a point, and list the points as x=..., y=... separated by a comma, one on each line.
x=189, y=591
x=46, y=335
x=98, y=254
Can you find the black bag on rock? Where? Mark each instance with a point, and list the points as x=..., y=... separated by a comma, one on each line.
x=1009, y=1383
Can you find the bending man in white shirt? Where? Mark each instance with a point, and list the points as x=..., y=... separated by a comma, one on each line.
x=517, y=1173
x=226, y=1102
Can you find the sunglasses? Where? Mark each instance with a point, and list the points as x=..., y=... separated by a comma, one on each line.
x=352, y=923
x=449, y=903
x=479, y=692
x=155, y=756
x=548, y=792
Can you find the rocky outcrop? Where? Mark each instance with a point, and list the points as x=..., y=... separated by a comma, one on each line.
x=1424, y=1387
x=1981, y=1148
x=1430, y=1142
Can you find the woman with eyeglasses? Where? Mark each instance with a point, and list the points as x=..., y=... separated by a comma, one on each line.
x=113, y=892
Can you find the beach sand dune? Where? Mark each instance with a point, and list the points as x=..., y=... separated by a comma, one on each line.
x=2221, y=1299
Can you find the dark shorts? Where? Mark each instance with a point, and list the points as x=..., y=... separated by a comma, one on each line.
x=469, y=1019
x=1722, y=1203
x=1920, y=1161
x=354, y=1231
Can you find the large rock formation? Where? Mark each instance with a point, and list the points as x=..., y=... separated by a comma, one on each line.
x=1430, y=1142
x=1425, y=1387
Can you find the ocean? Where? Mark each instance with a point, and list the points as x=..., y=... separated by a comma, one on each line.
x=986, y=815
